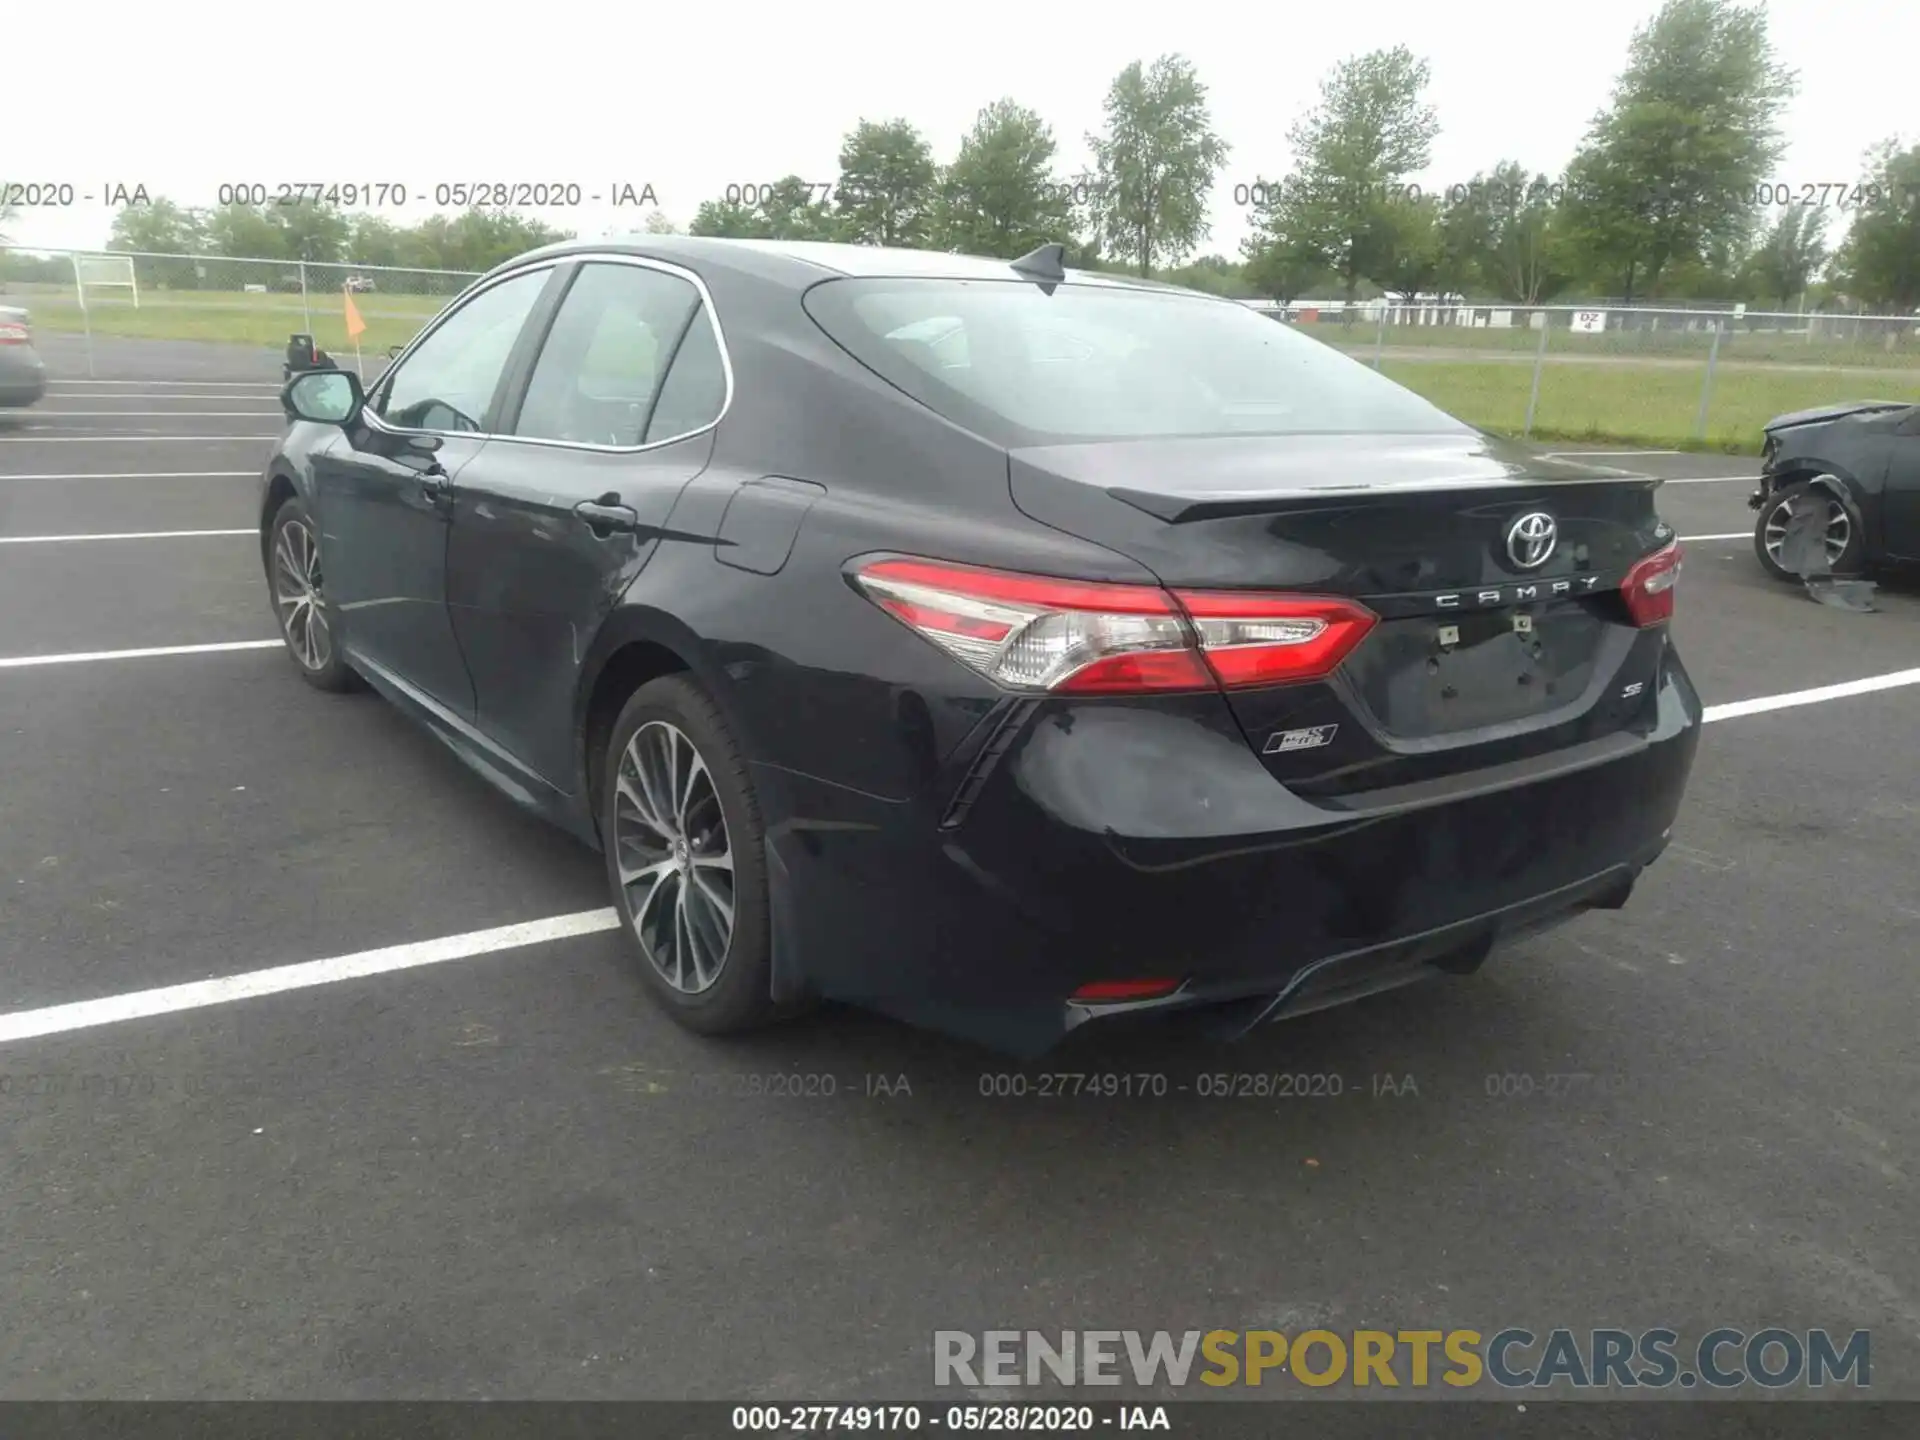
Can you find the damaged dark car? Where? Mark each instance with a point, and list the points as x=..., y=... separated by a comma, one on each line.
x=1839, y=496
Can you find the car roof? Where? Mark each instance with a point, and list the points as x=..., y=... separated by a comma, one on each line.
x=801, y=263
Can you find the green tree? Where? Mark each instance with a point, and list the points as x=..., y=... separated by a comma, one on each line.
x=789, y=211
x=999, y=196
x=244, y=230
x=1355, y=150
x=1722, y=275
x=1667, y=171
x=1881, y=258
x=314, y=233
x=1498, y=230
x=374, y=240
x=1789, y=255
x=1215, y=274
x=888, y=185
x=728, y=219
x=1414, y=257
x=1282, y=268
x=1155, y=164
x=481, y=239
x=429, y=245
x=159, y=228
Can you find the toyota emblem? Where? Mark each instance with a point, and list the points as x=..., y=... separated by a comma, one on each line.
x=1531, y=538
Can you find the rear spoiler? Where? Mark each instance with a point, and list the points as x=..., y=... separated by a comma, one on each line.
x=1178, y=509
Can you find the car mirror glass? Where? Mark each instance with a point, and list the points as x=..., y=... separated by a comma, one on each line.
x=328, y=396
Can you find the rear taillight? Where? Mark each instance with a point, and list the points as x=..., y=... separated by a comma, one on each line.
x=1648, y=587
x=14, y=333
x=1116, y=992
x=1077, y=637
x=1270, y=639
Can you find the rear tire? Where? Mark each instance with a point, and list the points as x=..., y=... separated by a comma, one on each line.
x=309, y=625
x=1846, y=545
x=686, y=860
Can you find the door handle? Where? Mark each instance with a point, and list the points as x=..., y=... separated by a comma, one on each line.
x=602, y=517
x=436, y=484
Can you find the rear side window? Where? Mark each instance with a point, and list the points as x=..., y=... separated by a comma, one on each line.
x=1095, y=362
x=600, y=369
x=695, y=390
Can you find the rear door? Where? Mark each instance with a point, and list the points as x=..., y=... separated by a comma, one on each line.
x=384, y=491
x=611, y=418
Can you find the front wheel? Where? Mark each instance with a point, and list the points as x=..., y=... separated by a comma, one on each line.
x=684, y=849
x=1843, y=541
x=307, y=618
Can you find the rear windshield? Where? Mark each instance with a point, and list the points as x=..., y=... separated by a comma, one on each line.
x=1091, y=362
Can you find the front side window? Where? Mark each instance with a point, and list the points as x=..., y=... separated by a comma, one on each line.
x=598, y=378
x=447, y=383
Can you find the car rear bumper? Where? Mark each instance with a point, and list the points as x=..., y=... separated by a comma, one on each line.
x=1111, y=842
x=22, y=386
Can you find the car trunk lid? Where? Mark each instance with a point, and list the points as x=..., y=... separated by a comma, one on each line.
x=1496, y=575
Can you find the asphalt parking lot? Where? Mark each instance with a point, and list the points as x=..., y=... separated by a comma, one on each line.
x=490, y=1167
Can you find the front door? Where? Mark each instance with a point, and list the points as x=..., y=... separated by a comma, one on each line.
x=385, y=491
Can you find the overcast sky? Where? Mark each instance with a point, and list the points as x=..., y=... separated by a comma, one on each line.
x=185, y=96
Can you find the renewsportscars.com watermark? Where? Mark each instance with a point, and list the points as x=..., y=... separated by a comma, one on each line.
x=1725, y=1359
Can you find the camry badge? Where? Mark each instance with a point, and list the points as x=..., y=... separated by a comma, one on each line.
x=1531, y=538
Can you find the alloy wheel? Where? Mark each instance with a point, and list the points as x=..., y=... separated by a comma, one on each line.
x=674, y=861
x=300, y=596
x=1839, y=530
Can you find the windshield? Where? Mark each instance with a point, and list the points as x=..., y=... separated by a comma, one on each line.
x=1088, y=362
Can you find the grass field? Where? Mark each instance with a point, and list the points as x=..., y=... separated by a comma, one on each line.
x=238, y=318
x=1872, y=348
x=1639, y=405
x=1607, y=399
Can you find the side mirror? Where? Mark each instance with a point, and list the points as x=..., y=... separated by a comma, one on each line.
x=329, y=397
x=393, y=351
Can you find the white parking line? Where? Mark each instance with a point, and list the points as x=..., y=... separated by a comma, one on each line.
x=22, y=662
x=1711, y=480
x=54, y=387
x=169, y=414
x=126, y=439
x=1730, y=535
x=198, y=994
x=123, y=535
x=1609, y=454
x=143, y=475
x=1762, y=704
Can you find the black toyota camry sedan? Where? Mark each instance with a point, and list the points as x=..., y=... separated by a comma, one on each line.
x=995, y=645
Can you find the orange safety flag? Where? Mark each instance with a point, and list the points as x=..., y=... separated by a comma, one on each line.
x=356, y=327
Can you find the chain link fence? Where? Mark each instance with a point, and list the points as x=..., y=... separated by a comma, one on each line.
x=1667, y=374
x=219, y=298
x=1672, y=374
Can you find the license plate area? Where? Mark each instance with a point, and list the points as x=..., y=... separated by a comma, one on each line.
x=1440, y=675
